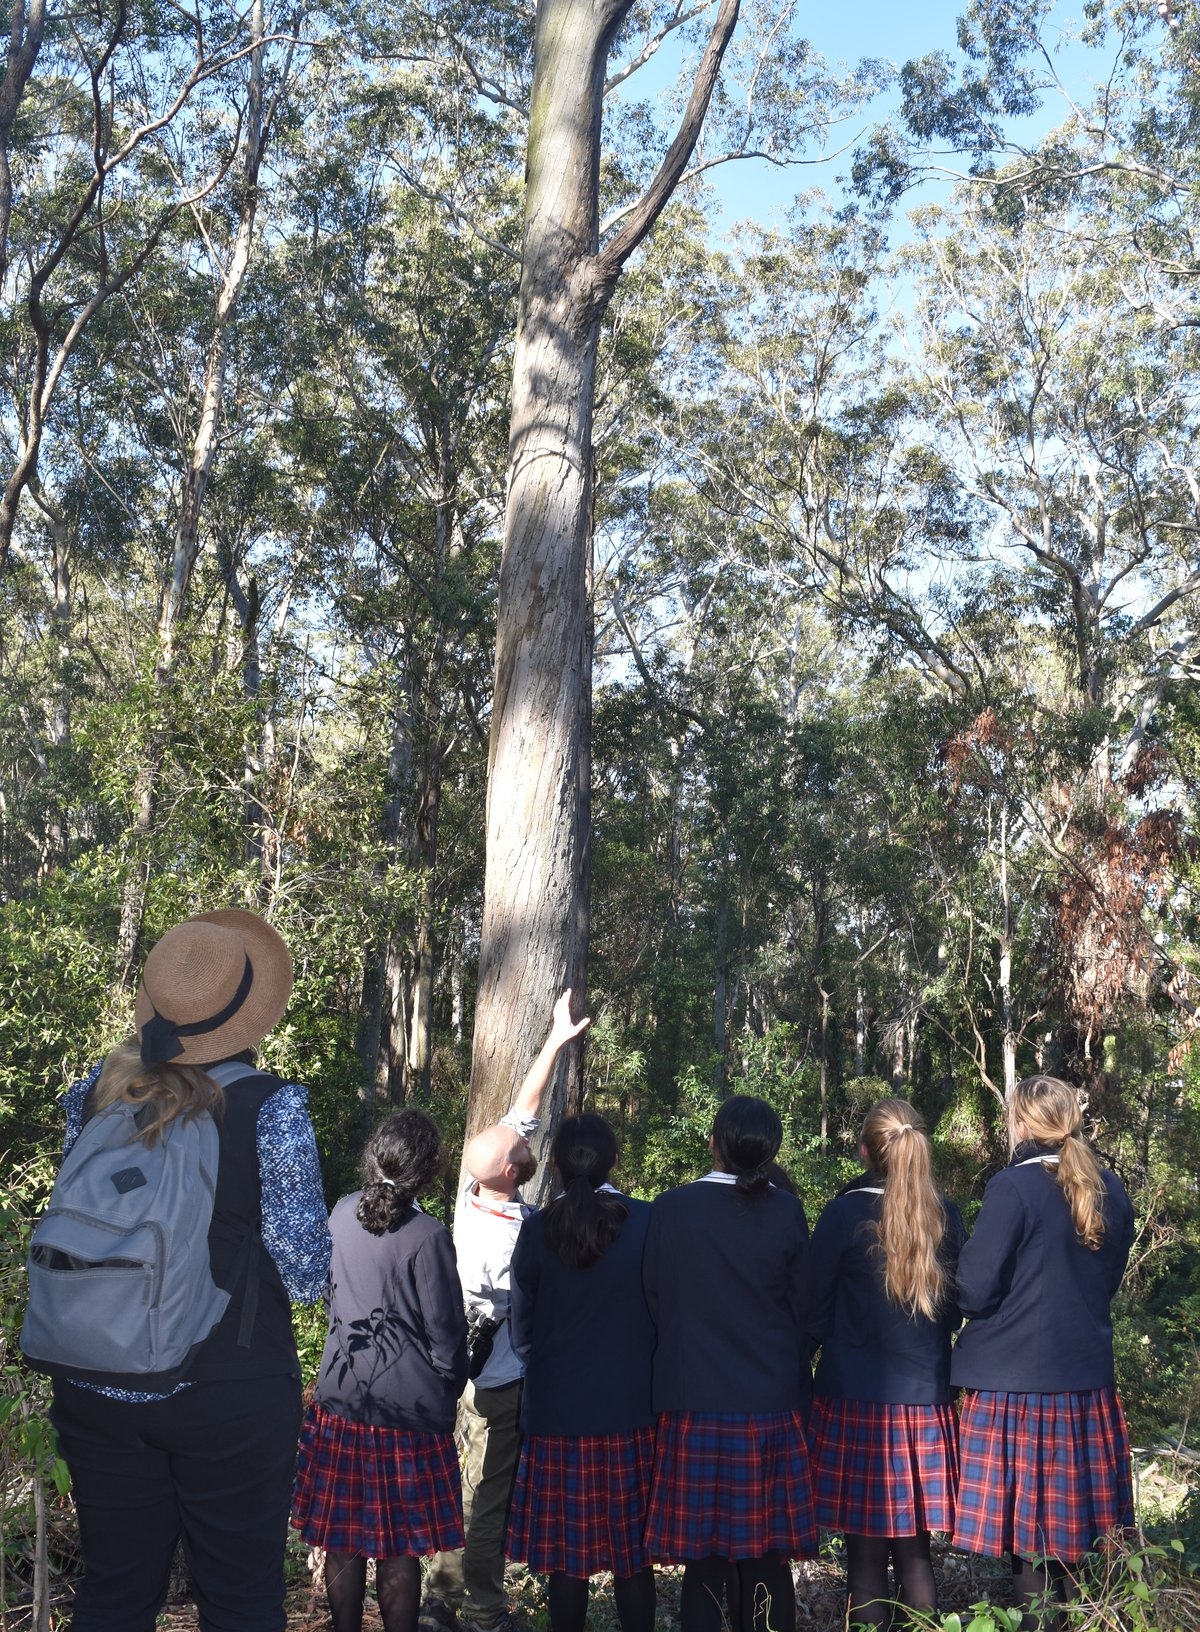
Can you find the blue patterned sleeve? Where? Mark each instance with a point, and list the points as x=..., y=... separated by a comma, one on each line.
x=73, y=1101
x=295, y=1227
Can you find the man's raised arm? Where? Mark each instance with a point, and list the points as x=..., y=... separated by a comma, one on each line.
x=563, y=1030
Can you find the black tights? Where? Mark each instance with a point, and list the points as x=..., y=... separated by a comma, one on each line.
x=397, y=1587
x=765, y=1595
x=634, y=1595
x=1037, y=1587
x=870, y=1597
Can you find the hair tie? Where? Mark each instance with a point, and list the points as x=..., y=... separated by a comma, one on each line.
x=907, y=1127
x=391, y=1183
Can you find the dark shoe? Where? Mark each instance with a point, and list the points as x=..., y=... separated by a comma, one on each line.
x=437, y=1616
x=506, y=1621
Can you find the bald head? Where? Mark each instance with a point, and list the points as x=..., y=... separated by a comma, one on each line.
x=499, y=1158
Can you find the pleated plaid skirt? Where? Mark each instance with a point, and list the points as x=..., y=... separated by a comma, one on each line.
x=385, y=1492
x=1043, y=1475
x=736, y=1487
x=883, y=1470
x=579, y=1505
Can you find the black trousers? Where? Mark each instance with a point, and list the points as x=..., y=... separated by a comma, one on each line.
x=212, y=1465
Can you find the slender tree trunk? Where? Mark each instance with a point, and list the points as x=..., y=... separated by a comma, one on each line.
x=40, y=1608
x=1006, y=948
x=824, y=1066
x=258, y=748
x=137, y=852
x=391, y=1060
x=384, y=1060
x=58, y=724
x=26, y=29
x=457, y=1000
x=420, y=1034
x=720, y=994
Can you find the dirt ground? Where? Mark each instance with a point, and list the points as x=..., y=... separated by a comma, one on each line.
x=962, y=1581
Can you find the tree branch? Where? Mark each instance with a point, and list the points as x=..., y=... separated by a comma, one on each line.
x=608, y=262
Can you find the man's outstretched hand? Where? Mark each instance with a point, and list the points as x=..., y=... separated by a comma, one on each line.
x=562, y=1027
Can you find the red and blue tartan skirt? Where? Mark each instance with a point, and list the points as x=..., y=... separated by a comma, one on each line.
x=1042, y=1475
x=385, y=1492
x=736, y=1487
x=579, y=1505
x=883, y=1470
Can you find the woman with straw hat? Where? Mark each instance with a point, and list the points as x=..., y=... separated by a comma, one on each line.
x=212, y=1460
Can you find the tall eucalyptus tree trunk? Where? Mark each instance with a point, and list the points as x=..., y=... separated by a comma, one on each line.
x=535, y=920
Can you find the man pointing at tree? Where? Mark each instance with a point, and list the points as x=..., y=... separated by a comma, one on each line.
x=487, y=1221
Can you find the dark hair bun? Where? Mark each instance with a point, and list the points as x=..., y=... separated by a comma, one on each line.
x=399, y=1160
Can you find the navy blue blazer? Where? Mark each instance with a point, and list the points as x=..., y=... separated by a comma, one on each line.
x=585, y=1335
x=1037, y=1300
x=396, y=1353
x=727, y=1282
x=870, y=1349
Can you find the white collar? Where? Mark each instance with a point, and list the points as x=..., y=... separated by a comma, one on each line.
x=1029, y=1160
x=719, y=1178
x=867, y=1190
x=611, y=1189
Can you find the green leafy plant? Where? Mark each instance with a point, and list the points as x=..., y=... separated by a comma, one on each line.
x=36, y=1532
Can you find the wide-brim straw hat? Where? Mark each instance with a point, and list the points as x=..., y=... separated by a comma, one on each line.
x=214, y=985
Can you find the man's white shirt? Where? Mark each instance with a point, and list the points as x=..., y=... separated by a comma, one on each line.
x=485, y=1234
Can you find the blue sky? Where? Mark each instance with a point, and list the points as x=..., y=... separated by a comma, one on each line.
x=897, y=30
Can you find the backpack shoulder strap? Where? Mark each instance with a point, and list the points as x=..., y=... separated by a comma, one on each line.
x=225, y=1074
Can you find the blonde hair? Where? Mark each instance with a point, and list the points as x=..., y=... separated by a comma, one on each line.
x=1048, y=1109
x=171, y=1090
x=912, y=1220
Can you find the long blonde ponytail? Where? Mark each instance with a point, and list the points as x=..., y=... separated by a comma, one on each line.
x=172, y=1090
x=1048, y=1110
x=912, y=1220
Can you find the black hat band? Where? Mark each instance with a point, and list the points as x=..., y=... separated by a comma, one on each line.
x=161, y=1037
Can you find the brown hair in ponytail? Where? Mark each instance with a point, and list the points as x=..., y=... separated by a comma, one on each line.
x=1048, y=1110
x=912, y=1220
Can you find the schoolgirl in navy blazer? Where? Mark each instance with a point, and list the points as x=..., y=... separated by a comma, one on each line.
x=730, y=1316
x=586, y=1338
x=1037, y=1298
x=871, y=1348
x=1045, y=1462
x=726, y=1276
x=884, y=1434
x=581, y=1325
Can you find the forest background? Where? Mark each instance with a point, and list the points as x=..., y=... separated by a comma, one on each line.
x=893, y=605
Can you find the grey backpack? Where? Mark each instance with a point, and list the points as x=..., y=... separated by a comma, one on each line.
x=121, y=1292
